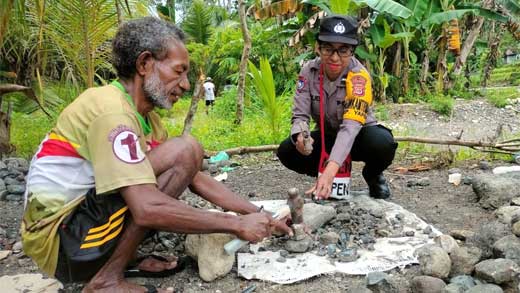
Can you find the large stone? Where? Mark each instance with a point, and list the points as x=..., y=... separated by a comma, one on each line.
x=29, y=283
x=434, y=261
x=16, y=189
x=427, y=284
x=507, y=247
x=462, y=234
x=494, y=191
x=316, y=215
x=299, y=246
x=389, y=284
x=516, y=228
x=4, y=254
x=446, y=242
x=453, y=288
x=497, y=271
x=463, y=281
x=485, y=288
x=486, y=236
x=463, y=260
x=208, y=250
x=506, y=214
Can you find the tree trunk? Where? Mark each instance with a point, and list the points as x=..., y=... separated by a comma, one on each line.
x=442, y=67
x=396, y=65
x=493, y=55
x=243, y=62
x=468, y=45
x=197, y=94
x=425, y=68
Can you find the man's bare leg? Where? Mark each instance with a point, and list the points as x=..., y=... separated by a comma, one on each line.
x=175, y=163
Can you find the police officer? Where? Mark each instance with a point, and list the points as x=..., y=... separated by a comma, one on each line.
x=348, y=128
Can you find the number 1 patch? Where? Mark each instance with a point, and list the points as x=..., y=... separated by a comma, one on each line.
x=127, y=148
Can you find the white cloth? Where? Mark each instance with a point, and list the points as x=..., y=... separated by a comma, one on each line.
x=209, y=91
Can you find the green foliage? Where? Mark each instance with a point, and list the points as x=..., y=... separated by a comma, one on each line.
x=272, y=106
x=500, y=97
x=441, y=104
x=27, y=131
x=382, y=112
x=198, y=23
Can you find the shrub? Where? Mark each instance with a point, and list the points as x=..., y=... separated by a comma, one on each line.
x=441, y=104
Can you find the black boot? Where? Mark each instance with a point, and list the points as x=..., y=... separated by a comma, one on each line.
x=378, y=187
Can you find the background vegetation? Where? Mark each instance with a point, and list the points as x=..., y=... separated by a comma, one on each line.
x=417, y=51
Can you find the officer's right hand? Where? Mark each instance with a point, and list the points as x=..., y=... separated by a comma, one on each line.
x=254, y=227
x=300, y=145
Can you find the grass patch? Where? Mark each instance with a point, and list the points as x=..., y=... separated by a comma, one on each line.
x=382, y=113
x=27, y=131
x=500, y=97
x=441, y=104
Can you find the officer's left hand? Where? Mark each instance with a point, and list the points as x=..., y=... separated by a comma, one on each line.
x=323, y=186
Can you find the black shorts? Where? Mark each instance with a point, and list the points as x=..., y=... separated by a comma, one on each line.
x=210, y=102
x=89, y=235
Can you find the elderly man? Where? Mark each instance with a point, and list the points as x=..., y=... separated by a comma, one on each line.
x=106, y=175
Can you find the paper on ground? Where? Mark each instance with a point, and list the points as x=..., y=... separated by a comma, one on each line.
x=388, y=254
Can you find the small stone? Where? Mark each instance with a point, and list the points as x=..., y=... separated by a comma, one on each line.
x=17, y=247
x=485, y=288
x=427, y=284
x=331, y=250
x=375, y=277
x=434, y=261
x=446, y=242
x=462, y=234
x=484, y=165
x=427, y=230
x=4, y=254
x=467, y=180
x=322, y=251
x=409, y=233
x=281, y=259
x=329, y=238
x=515, y=201
x=348, y=255
x=251, y=194
x=283, y=253
x=516, y=228
x=463, y=281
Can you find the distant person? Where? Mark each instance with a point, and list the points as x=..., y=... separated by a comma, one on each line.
x=106, y=177
x=344, y=86
x=209, y=93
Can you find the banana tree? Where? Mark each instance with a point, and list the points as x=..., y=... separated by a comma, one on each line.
x=382, y=39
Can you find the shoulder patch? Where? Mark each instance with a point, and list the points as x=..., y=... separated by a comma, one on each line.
x=358, y=85
x=125, y=145
x=301, y=82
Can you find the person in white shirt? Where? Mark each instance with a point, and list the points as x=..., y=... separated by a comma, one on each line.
x=209, y=93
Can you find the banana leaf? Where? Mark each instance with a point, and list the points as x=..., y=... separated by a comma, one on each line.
x=442, y=17
x=391, y=7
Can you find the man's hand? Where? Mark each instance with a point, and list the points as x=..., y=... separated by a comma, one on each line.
x=254, y=227
x=279, y=226
x=323, y=186
x=300, y=144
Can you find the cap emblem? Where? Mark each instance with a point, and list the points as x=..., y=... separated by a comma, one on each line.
x=339, y=28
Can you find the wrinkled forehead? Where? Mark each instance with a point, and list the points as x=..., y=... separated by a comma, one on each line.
x=335, y=45
x=177, y=54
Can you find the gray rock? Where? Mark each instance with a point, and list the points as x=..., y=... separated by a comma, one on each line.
x=13, y=197
x=283, y=253
x=281, y=259
x=463, y=260
x=485, y=288
x=30, y=283
x=494, y=191
x=434, y=261
x=16, y=189
x=446, y=242
x=3, y=166
x=375, y=277
x=453, y=288
x=427, y=284
x=2, y=185
x=427, y=230
x=463, y=281
x=12, y=181
x=487, y=235
x=212, y=260
x=343, y=217
x=316, y=215
x=515, y=201
x=390, y=284
x=299, y=245
x=497, y=271
x=3, y=233
x=506, y=214
x=484, y=165
x=348, y=255
x=507, y=247
x=424, y=181
x=329, y=238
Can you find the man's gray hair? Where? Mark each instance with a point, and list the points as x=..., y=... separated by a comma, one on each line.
x=139, y=35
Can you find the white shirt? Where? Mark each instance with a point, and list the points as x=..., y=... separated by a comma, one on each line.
x=209, y=91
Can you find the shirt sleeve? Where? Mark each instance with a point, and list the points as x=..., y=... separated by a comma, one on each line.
x=116, y=145
x=301, y=111
x=358, y=99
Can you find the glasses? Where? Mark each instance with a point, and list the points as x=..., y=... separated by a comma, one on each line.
x=327, y=51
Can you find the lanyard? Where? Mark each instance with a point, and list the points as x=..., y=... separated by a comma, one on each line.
x=147, y=128
x=322, y=114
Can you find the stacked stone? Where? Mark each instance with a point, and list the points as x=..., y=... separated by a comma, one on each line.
x=12, y=173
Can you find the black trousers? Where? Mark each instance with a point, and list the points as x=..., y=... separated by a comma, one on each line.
x=374, y=145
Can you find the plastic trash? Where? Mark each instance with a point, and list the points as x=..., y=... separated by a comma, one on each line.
x=221, y=177
x=227, y=169
x=221, y=156
x=506, y=169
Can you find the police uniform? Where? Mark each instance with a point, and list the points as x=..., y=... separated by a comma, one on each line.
x=74, y=214
x=349, y=123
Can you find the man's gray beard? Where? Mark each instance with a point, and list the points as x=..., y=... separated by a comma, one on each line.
x=154, y=91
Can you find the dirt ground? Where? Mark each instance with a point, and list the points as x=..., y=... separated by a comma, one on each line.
x=261, y=176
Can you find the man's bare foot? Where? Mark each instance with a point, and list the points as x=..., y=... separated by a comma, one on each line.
x=152, y=264
x=119, y=286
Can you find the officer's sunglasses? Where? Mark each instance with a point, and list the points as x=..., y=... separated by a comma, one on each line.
x=328, y=51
